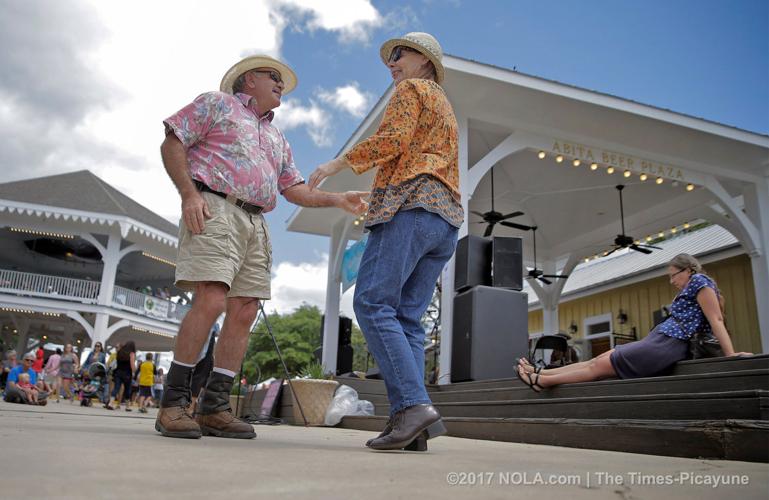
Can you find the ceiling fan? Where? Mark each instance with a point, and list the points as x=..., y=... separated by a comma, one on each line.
x=493, y=217
x=623, y=240
x=539, y=273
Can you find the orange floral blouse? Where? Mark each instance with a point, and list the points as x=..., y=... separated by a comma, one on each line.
x=416, y=142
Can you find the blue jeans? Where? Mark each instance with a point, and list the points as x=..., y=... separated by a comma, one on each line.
x=397, y=275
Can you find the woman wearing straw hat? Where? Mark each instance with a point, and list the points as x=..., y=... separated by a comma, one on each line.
x=229, y=163
x=413, y=218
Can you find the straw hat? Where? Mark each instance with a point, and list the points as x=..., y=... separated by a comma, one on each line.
x=424, y=43
x=258, y=61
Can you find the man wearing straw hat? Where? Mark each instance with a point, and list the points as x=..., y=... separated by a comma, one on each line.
x=228, y=162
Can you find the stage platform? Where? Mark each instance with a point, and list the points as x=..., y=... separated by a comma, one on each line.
x=713, y=408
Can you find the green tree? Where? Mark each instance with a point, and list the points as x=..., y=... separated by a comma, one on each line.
x=297, y=335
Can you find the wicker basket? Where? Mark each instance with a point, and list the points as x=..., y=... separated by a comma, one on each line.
x=315, y=396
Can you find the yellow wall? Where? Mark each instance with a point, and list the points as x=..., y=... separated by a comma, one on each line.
x=639, y=300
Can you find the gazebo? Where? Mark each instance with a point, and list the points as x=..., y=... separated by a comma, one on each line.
x=557, y=153
x=80, y=262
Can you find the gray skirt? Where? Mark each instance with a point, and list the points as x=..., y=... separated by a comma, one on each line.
x=652, y=355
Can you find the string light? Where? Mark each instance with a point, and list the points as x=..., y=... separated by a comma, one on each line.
x=627, y=173
x=661, y=234
x=686, y=225
x=673, y=230
x=541, y=155
x=41, y=233
x=159, y=259
x=659, y=180
x=648, y=238
x=594, y=166
x=559, y=158
x=576, y=162
x=690, y=187
x=610, y=170
x=587, y=259
x=643, y=177
x=356, y=222
x=154, y=332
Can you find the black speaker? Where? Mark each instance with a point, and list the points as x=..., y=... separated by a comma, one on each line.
x=473, y=263
x=490, y=331
x=344, y=351
x=507, y=262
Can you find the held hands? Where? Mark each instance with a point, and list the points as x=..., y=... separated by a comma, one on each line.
x=195, y=212
x=326, y=170
x=353, y=201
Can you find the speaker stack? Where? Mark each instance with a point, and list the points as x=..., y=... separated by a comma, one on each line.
x=490, y=326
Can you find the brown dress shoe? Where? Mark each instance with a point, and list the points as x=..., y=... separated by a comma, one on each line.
x=224, y=424
x=175, y=421
x=415, y=423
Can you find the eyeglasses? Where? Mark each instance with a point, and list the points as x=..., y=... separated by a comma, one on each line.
x=676, y=273
x=274, y=75
x=397, y=53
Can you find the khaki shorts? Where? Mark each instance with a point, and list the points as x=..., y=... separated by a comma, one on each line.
x=233, y=249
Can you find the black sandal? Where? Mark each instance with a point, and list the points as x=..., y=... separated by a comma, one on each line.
x=537, y=368
x=531, y=383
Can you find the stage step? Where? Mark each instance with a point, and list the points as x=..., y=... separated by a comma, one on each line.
x=690, y=367
x=743, y=440
x=700, y=383
x=749, y=404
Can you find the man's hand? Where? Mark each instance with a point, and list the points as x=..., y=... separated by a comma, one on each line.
x=326, y=170
x=353, y=202
x=195, y=212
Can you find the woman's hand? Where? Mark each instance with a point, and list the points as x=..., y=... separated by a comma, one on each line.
x=326, y=170
x=740, y=354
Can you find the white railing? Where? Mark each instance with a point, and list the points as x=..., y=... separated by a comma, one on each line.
x=41, y=285
x=87, y=292
x=148, y=305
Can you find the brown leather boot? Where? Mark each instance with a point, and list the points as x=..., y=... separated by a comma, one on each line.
x=177, y=422
x=174, y=418
x=214, y=415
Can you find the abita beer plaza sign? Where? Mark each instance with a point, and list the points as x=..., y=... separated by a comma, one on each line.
x=621, y=161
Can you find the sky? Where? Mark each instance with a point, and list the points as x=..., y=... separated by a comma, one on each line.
x=85, y=84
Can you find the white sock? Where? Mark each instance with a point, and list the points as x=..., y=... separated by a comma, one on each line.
x=224, y=371
x=183, y=364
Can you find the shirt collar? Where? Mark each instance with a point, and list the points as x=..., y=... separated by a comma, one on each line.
x=250, y=103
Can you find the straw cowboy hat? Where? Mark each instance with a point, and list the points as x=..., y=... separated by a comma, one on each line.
x=258, y=61
x=424, y=43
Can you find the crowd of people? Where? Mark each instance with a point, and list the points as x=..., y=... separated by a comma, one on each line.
x=115, y=379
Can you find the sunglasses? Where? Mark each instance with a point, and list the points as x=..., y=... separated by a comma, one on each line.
x=274, y=75
x=398, y=51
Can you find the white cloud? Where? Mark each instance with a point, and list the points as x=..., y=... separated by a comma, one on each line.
x=294, y=284
x=353, y=20
x=293, y=114
x=348, y=98
x=123, y=67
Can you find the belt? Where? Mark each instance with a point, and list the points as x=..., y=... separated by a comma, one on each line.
x=248, y=207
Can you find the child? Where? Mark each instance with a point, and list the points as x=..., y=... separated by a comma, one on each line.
x=29, y=389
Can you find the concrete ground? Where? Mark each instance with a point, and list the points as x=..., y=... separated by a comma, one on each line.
x=66, y=451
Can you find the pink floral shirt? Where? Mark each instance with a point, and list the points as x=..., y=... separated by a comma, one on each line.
x=234, y=151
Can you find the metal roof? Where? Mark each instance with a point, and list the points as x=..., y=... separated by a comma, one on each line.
x=82, y=190
x=624, y=264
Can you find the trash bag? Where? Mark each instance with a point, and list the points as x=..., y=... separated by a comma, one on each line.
x=346, y=403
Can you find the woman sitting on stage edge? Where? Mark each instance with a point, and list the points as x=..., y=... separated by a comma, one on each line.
x=698, y=307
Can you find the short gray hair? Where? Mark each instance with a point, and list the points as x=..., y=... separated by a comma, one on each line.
x=240, y=82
